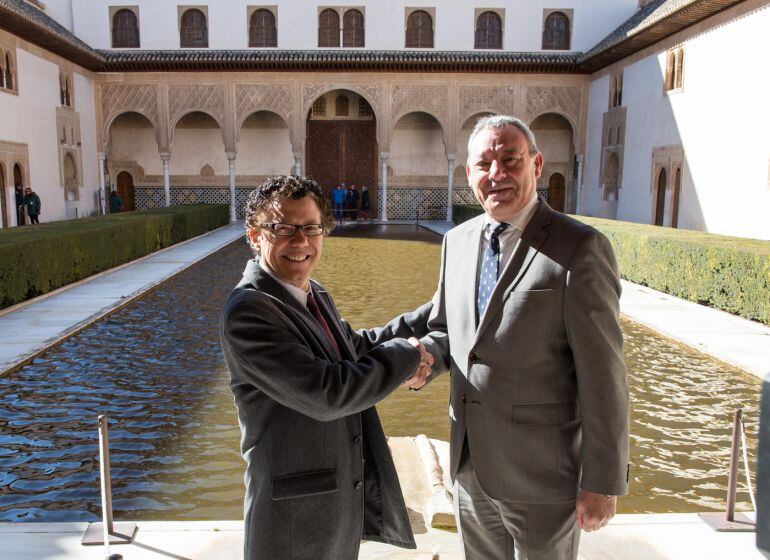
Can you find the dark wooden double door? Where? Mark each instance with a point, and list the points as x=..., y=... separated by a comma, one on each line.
x=343, y=152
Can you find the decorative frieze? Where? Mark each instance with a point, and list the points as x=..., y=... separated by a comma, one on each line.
x=186, y=98
x=566, y=100
x=431, y=99
x=478, y=99
x=122, y=98
x=250, y=98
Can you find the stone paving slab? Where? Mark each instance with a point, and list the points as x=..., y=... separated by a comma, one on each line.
x=627, y=537
x=32, y=326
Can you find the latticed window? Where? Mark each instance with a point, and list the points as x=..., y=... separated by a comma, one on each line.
x=342, y=106
x=674, y=68
x=319, y=107
x=419, y=30
x=353, y=29
x=364, y=109
x=193, y=32
x=489, y=31
x=556, y=32
x=262, y=32
x=329, y=29
x=125, y=30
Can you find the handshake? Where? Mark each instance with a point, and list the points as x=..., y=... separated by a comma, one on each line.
x=420, y=376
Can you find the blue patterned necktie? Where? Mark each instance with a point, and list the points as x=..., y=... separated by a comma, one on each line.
x=489, y=270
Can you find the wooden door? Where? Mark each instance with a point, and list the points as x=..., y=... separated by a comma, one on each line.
x=660, y=201
x=126, y=190
x=556, y=192
x=3, y=202
x=343, y=152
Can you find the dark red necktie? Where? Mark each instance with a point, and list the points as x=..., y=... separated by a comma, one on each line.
x=312, y=306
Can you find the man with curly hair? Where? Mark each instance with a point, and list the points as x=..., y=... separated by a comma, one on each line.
x=319, y=474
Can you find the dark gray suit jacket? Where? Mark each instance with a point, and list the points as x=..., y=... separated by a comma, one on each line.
x=539, y=385
x=320, y=476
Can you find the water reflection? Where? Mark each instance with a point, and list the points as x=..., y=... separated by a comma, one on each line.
x=156, y=366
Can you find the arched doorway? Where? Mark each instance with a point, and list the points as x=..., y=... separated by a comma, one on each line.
x=555, y=140
x=556, y=192
x=610, y=196
x=125, y=184
x=133, y=145
x=341, y=145
x=660, y=198
x=3, y=194
x=18, y=185
x=70, y=179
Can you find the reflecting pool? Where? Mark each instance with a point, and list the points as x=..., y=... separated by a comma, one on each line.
x=155, y=367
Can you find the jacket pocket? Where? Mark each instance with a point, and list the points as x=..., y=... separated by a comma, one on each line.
x=543, y=414
x=304, y=484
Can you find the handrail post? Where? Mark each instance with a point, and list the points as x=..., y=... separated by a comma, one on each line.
x=107, y=532
x=729, y=520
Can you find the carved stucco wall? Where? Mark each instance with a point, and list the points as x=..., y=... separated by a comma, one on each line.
x=431, y=99
x=122, y=98
x=250, y=98
x=477, y=99
x=565, y=100
x=186, y=98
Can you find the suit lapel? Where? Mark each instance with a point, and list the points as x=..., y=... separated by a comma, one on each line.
x=254, y=274
x=469, y=275
x=330, y=313
x=527, y=247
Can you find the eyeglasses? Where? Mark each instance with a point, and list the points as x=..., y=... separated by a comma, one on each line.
x=287, y=230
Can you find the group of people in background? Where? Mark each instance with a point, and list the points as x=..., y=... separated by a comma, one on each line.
x=27, y=204
x=348, y=202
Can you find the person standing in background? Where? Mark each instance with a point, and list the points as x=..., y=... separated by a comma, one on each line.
x=20, y=221
x=32, y=202
x=352, y=203
x=366, y=203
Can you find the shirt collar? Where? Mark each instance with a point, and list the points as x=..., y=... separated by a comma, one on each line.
x=518, y=220
x=298, y=293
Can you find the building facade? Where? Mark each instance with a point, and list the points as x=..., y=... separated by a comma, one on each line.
x=174, y=103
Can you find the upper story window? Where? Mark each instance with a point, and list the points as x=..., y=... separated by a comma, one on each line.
x=65, y=90
x=364, y=109
x=616, y=90
x=193, y=31
x=674, y=66
x=262, y=31
x=419, y=30
x=489, y=31
x=7, y=71
x=319, y=107
x=556, y=32
x=329, y=28
x=125, y=30
x=342, y=106
x=353, y=29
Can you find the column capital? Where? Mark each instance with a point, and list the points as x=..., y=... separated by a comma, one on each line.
x=451, y=157
x=231, y=155
x=384, y=156
x=102, y=156
x=165, y=157
x=579, y=157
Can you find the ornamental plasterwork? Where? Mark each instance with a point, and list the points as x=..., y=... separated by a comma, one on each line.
x=559, y=99
x=120, y=98
x=250, y=98
x=476, y=99
x=186, y=98
x=373, y=94
x=12, y=153
x=432, y=99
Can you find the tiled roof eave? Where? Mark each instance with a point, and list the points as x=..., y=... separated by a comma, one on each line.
x=619, y=46
x=341, y=61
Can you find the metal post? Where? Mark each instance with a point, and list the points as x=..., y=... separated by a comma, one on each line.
x=729, y=520
x=107, y=532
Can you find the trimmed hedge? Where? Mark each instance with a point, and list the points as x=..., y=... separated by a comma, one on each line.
x=729, y=273
x=41, y=258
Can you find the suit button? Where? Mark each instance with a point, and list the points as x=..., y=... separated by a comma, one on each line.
x=358, y=485
x=473, y=358
x=463, y=398
x=357, y=440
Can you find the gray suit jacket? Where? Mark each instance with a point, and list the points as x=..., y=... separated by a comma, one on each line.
x=308, y=423
x=539, y=386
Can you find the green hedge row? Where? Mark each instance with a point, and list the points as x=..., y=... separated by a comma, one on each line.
x=41, y=258
x=729, y=273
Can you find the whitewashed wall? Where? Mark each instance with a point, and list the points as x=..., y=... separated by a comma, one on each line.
x=30, y=118
x=719, y=119
x=297, y=22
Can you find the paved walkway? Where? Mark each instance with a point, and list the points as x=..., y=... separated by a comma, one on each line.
x=729, y=338
x=30, y=327
x=676, y=536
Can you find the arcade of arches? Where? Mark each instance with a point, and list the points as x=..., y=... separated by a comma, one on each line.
x=203, y=137
x=14, y=165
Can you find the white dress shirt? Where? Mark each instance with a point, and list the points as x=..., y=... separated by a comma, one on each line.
x=299, y=294
x=509, y=238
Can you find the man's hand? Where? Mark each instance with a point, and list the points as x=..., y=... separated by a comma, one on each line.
x=420, y=376
x=594, y=510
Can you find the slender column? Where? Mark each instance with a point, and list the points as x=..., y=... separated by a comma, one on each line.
x=297, y=163
x=579, y=194
x=166, y=178
x=231, y=175
x=450, y=159
x=384, y=195
x=102, y=183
